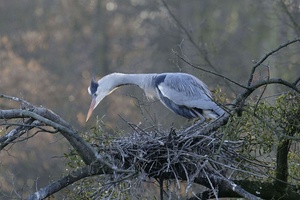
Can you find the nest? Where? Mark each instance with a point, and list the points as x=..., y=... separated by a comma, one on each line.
x=186, y=155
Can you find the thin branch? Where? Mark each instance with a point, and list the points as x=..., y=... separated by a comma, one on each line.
x=186, y=32
x=208, y=71
x=65, y=181
x=15, y=133
x=268, y=55
x=296, y=81
x=264, y=89
x=22, y=101
x=244, y=95
x=211, y=185
x=291, y=18
x=203, y=51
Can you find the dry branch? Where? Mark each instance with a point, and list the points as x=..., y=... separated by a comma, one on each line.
x=257, y=64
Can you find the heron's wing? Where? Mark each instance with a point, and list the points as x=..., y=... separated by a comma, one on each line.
x=184, y=90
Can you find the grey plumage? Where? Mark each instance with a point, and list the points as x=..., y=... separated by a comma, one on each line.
x=187, y=96
x=182, y=93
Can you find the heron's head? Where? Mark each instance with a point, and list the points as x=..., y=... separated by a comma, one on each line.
x=98, y=90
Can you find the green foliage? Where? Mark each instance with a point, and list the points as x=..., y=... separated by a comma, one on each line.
x=264, y=127
x=294, y=164
x=289, y=124
x=288, y=109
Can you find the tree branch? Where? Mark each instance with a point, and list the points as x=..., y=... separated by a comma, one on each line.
x=15, y=133
x=86, y=171
x=84, y=149
x=291, y=18
x=240, y=99
x=208, y=71
x=190, y=38
x=265, y=190
x=268, y=55
x=228, y=187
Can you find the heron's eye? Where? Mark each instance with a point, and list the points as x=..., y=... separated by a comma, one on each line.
x=94, y=95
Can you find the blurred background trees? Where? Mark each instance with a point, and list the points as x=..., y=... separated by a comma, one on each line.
x=50, y=50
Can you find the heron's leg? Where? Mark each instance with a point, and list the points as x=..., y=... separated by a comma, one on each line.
x=219, y=117
x=199, y=122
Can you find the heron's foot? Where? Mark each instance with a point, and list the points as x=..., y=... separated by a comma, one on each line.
x=198, y=123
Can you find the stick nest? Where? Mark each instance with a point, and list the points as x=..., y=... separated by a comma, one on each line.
x=187, y=155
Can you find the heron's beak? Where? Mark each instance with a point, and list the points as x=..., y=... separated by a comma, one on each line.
x=92, y=106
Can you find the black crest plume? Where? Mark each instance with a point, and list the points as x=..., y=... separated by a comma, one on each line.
x=94, y=86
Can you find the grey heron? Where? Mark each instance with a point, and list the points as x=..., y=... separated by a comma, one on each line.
x=182, y=93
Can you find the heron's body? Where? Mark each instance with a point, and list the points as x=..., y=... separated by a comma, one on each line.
x=182, y=93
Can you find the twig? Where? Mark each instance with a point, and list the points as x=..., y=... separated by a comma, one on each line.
x=16, y=99
x=268, y=55
x=291, y=18
x=202, y=51
x=15, y=133
x=211, y=185
x=264, y=89
x=208, y=71
x=296, y=81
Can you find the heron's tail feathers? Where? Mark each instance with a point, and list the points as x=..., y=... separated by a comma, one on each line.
x=215, y=113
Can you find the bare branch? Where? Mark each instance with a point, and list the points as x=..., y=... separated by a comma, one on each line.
x=214, y=73
x=81, y=173
x=296, y=26
x=203, y=52
x=15, y=133
x=242, y=97
x=268, y=55
x=87, y=153
x=296, y=81
x=22, y=101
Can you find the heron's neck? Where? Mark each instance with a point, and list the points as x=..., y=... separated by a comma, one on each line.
x=144, y=81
